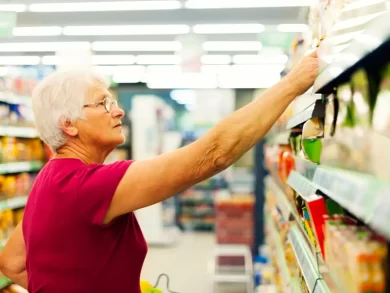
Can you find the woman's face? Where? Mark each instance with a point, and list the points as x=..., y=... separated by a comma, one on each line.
x=101, y=129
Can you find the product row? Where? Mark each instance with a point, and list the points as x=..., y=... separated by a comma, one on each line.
x=16, y=149
x=16, y=185
x=9, y=219
x=17, y=85
x=16, y=114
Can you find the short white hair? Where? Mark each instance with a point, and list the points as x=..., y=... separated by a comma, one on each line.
x=60, y=97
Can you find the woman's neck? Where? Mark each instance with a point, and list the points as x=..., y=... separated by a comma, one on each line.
x=78, y=152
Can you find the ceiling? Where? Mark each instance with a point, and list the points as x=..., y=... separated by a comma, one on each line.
x=270, y=17
x=27, y=48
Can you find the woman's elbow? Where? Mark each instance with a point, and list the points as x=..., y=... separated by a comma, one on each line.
x=10, y=267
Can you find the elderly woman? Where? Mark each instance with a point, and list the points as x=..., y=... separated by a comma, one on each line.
x=79, y=233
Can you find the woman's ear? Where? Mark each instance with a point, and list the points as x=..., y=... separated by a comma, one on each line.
x=69, y=127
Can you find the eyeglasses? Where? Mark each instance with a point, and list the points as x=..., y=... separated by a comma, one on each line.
x=106, y=102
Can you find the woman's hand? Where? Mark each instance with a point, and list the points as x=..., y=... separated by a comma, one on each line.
x=303, y=75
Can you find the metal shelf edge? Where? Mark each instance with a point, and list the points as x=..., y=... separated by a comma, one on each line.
x=317, y=109
x=365, y=48
x=306, y=262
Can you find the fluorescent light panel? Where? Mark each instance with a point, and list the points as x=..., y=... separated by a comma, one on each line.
x=232, y=46
x=13, y=7
x=105, y=6
x=96, y=60
x=250, y=28
x=44, y=46
x=175, y=29
x=137, y=46
x=216, y=59
x=216, y=4
x=37, y=31
x=293, y=28
x=120, y=70
x=260, y=59
x=20, y=60
x=158, y=59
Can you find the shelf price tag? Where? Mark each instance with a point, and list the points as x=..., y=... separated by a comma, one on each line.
x=301, y=185
x=306, y=265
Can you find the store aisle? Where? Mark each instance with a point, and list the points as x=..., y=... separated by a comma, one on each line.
x=185, y=263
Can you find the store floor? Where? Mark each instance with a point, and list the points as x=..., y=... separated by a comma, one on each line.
x=186, y=263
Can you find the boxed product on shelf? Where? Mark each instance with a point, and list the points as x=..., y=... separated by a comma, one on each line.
x=234, y=220
x=356, y=256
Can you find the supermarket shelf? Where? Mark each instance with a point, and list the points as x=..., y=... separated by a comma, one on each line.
x=4, y=282
x=10, y=98
x=16, y=167
x=368, y=50
x=304, y=187
x=284, y=205
x=307, y=263
x=289, y=284
x=13, y=203
x=197, y=201
x=317, y=109
x=16, y=131
x=362, y=195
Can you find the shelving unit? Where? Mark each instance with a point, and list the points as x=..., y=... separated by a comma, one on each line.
x=21, y=152
x=317, y=194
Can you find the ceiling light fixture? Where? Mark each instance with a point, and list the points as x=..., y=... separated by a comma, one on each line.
x=232, y=46
x=175, y=29
x=293, y=28
x=216, y=59
x=121, y=70
x=13, y=7
x=37, y=31
x=250, y=28
x=146, y=46
x=158, y=59
x=105, y=6
x=96, y=60
x=215, y=4
x=260, y=59
x=20, y=60
x=44, y=46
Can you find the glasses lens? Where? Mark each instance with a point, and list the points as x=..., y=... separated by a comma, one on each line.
x=107, y=104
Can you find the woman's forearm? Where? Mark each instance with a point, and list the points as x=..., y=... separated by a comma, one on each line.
x=151, y=181
x=240, y=131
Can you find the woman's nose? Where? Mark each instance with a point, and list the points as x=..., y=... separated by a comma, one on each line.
x=117, y=112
